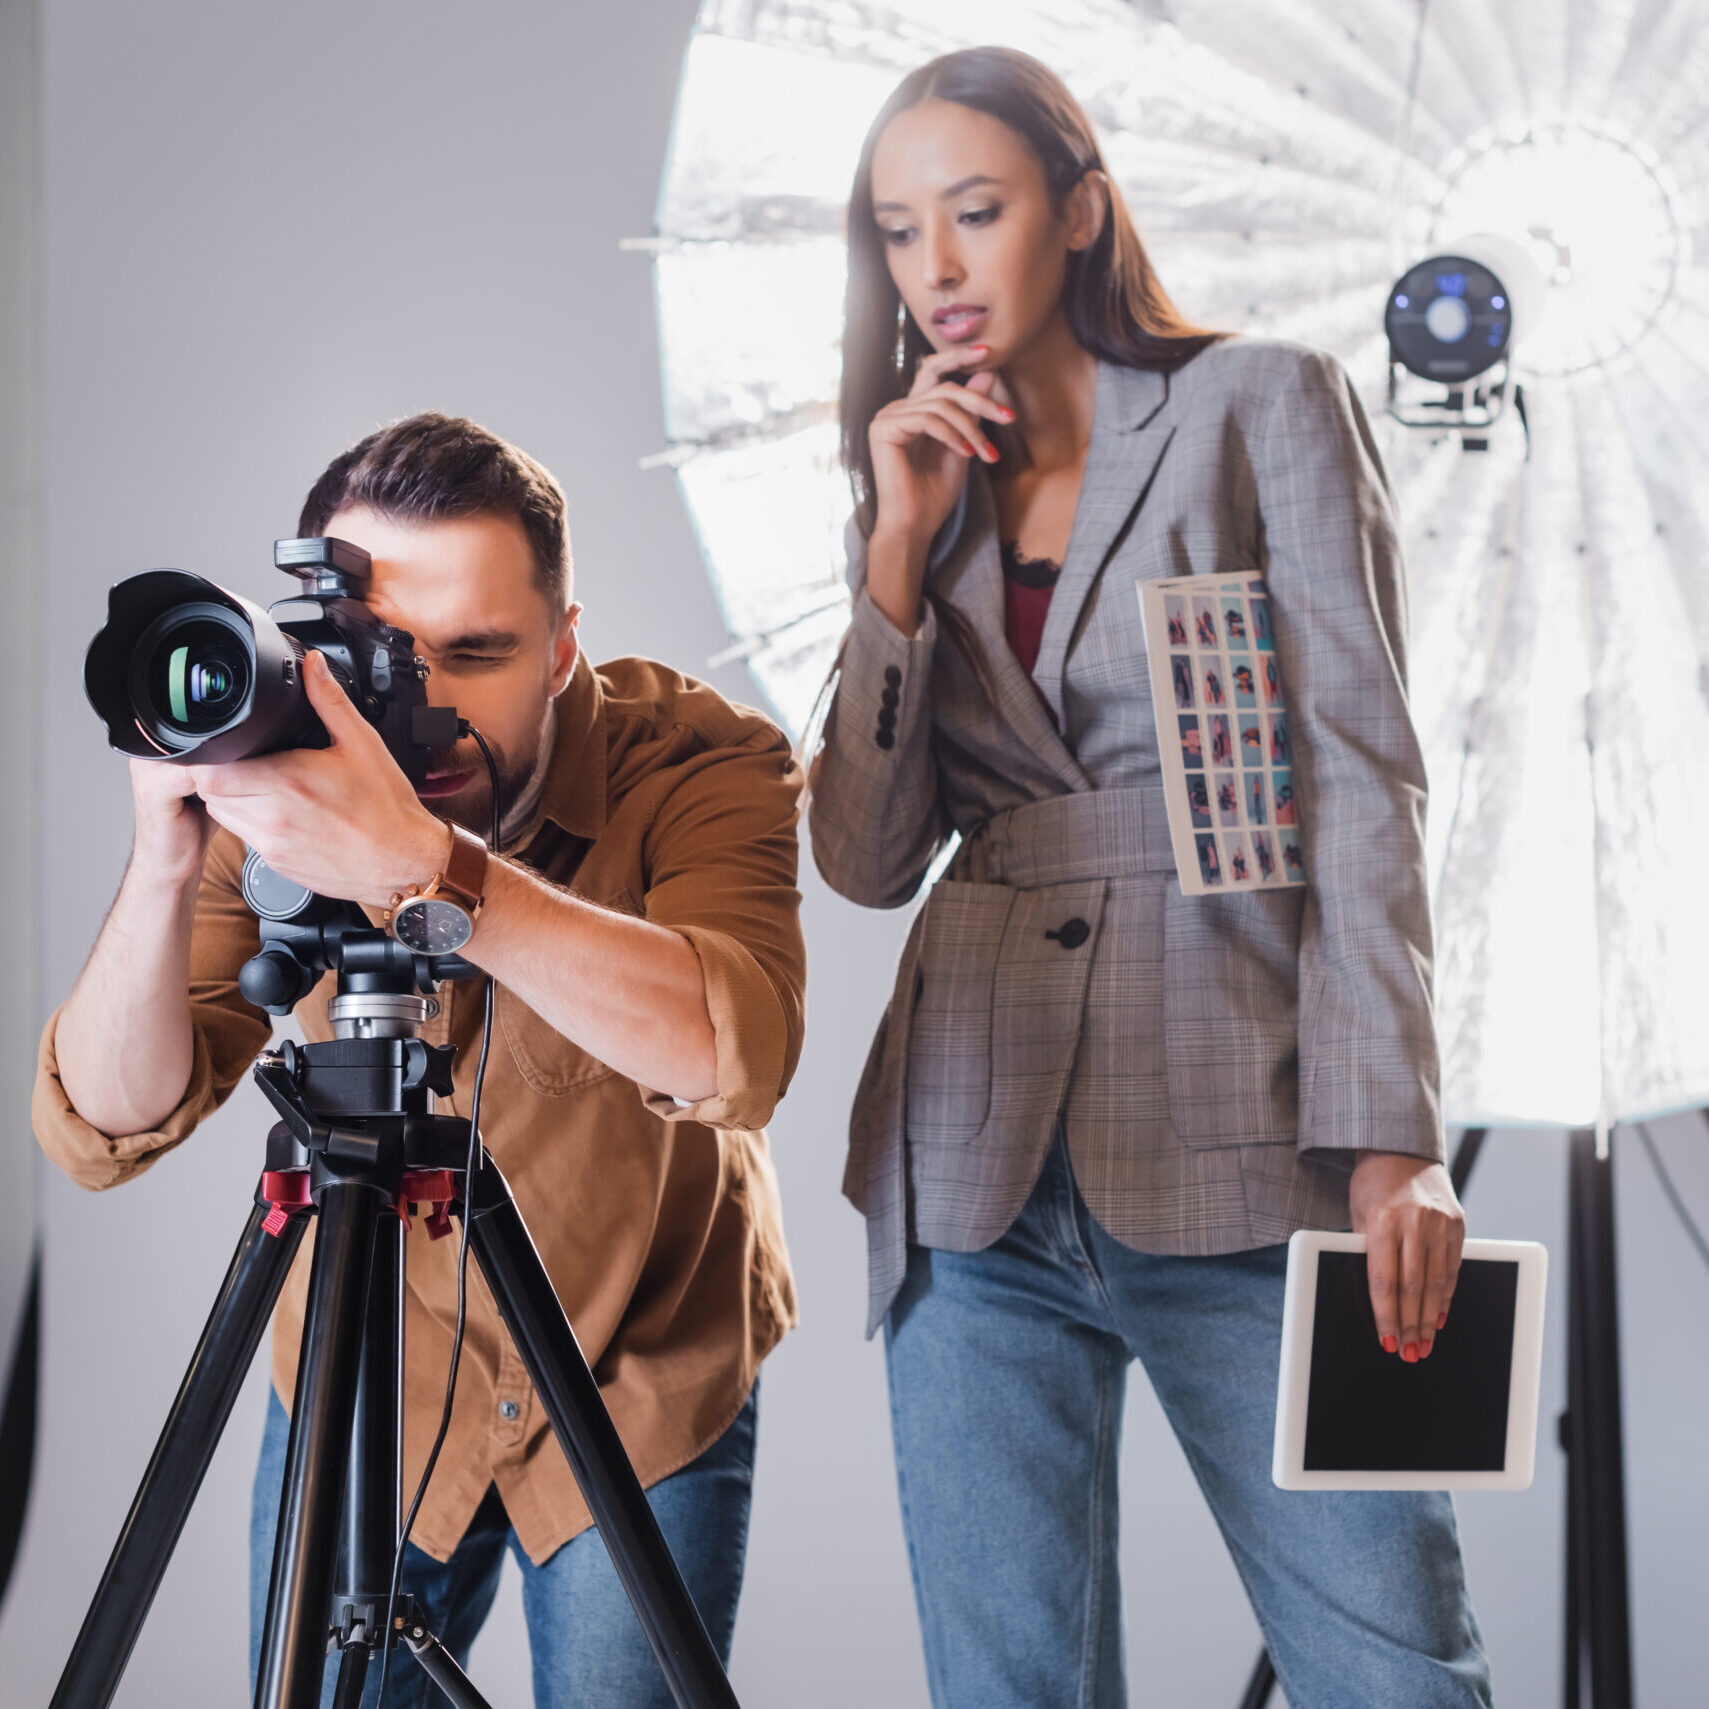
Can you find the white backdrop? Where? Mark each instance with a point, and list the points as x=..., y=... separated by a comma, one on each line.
x=267, y=229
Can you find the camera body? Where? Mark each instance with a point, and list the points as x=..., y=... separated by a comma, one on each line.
x=186, y=671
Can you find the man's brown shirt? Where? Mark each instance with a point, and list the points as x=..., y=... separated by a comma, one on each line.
x=658, y=1223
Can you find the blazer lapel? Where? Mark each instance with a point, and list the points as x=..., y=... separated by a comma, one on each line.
x=1130, y=432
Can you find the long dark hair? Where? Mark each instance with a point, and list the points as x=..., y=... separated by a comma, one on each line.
x=1116, y=306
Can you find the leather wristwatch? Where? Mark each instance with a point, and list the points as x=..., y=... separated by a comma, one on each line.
x=439, y=918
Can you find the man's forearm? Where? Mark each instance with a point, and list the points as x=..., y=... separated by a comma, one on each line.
x=124, y=1041
x=629, y=992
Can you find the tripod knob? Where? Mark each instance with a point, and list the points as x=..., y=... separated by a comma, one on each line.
x=275, y=980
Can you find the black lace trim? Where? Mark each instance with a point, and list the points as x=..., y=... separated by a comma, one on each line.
x=1028, y=572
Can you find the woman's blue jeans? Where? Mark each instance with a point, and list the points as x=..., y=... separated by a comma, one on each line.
x=585, y=1644
x=1007, y=1372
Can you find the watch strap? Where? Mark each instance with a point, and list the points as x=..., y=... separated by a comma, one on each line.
x=465, y=874
x=463, y=881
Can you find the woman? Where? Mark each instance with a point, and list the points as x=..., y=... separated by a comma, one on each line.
x=1097, y=1107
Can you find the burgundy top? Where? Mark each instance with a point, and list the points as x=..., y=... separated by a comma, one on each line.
x=1028, y=584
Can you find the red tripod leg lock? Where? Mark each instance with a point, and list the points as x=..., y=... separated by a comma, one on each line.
x=435, y=1189
x=284, y=1191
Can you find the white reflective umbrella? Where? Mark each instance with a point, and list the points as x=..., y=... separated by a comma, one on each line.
x=1286, y=160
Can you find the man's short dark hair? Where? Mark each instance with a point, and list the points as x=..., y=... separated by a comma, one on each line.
x=431, y=467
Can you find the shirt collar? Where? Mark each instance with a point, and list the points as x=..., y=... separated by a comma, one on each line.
x=574, y=796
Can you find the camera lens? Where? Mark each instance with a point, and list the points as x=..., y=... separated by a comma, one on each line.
x=185, y=670
x=193, y=673
x=198, y=676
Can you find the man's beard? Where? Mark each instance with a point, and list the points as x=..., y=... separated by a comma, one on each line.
x=472, y=805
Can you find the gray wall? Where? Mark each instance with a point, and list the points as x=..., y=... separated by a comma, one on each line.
x=19, y=555
x=268, y=228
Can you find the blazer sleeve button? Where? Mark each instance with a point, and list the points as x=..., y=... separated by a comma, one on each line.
x=893, y=675
x=1072, y=933
x=885, y=738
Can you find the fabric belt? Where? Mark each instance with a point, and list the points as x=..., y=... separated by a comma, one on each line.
x=1067, y=839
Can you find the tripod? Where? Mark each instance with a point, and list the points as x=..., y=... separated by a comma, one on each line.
x=355, y=1145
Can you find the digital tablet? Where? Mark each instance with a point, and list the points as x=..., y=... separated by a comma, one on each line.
x=1350, y=1416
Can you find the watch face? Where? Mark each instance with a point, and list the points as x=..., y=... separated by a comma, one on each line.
x=431, y=926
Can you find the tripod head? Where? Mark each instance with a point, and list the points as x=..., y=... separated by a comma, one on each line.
x=385, y=989
x=348, y=1099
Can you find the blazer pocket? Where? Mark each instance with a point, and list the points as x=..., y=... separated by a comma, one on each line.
x=1231, y=1017
x=547, y=1060
x=949, y=1035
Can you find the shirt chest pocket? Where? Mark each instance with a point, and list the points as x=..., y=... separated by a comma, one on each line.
x=547, y=1060
x=550, y=1063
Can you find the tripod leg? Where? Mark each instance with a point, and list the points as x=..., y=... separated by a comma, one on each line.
x=163, y=1500
x=299, y=1601
x=1571, y=1696
x=1596, y=1463
x=1259, y=1686
x=1466, y=1156
x=358, y=1613
x=371, y=1499
x=549, y=1350
x=441, y=1667
x=352, y=1676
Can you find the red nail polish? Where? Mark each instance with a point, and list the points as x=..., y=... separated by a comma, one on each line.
x=1442, y=1321
x=1424, y=1351
x=1410, y=1353
x=1390, y=1344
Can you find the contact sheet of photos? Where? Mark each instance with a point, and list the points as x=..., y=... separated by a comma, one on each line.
x=1222, y=725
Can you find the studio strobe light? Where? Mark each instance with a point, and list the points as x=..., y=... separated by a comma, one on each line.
x=1453, y=318
x=1449, y=319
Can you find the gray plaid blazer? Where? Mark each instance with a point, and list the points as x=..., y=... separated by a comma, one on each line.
x=1214, y=1060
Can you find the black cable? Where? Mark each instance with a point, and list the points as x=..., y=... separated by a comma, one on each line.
x=471, y=1165
x=1679, y=1206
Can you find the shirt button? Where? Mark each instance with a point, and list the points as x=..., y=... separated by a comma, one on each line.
x=508, y=1409
x=1073, y=933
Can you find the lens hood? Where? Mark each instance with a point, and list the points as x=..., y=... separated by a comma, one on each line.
x=273, y=711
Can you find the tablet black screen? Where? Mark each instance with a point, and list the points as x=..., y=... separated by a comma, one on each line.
x=1371, y=1412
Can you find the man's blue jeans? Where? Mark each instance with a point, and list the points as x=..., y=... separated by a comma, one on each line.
x=1007, y=1372
x=585, y=1643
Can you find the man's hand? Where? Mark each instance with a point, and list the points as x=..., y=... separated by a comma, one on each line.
x=172, y=832
x=342, y=820
x=1414, y=1229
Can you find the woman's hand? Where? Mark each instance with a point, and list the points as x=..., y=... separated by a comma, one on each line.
x=921, y=446
x=1414, y=1229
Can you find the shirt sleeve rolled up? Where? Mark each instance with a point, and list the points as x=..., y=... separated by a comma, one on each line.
x=227, y=1032
x=721, y=865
